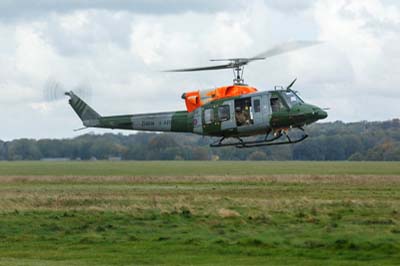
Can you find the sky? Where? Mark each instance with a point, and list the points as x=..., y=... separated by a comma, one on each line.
x=116, y=49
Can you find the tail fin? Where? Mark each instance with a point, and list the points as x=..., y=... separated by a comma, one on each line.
x=88, y=116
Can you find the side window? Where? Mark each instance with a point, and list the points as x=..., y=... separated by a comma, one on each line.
x=276, y=104
x=208, y=116
x=223, y=113
x=243, y=113
x=257, y=107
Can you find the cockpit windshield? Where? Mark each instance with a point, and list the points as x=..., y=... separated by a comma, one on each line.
x=291, y=98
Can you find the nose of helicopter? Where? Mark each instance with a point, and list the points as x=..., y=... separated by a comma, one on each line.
x=314, y=113
x=305, y=114
x=320, y=114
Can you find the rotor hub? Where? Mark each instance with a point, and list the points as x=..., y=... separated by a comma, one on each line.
x=238, y=75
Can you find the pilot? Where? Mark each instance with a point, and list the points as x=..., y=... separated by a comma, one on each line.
x=240, y=116
x=275, y=104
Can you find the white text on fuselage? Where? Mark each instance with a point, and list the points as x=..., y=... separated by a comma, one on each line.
x=152, y=123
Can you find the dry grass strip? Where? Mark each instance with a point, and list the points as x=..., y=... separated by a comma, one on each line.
x=323, y=179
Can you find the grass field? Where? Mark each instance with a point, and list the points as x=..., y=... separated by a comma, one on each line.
x=196, y=168
x=199, y=213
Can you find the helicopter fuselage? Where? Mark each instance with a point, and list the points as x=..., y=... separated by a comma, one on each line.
x=239, y=116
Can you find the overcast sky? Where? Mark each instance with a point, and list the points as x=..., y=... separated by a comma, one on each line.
x=117, y=48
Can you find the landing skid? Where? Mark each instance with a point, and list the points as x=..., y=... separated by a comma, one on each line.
x=258, y=143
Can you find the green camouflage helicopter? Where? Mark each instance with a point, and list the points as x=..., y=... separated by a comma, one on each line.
x=231, y=113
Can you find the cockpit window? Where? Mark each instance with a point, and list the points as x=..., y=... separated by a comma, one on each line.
x=291, y=98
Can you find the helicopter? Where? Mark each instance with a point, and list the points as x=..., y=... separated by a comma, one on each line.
x=233, y=113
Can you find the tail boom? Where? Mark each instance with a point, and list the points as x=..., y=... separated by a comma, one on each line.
x=179, y=121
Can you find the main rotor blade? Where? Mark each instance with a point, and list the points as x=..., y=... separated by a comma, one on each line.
x=238, y=62
x=284, y=48
x=224, y=66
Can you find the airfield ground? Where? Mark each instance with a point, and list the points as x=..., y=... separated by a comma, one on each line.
x=207, y=213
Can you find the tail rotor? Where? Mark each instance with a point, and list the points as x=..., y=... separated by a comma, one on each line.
x=54, y=90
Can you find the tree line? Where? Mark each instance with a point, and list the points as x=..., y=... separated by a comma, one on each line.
x=369, y=141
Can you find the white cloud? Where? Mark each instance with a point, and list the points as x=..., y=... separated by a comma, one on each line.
x=34, y=56
x=361, y=68
x=146, y=42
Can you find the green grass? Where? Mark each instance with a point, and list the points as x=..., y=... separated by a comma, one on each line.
x=199, y=213
x=196, y=168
